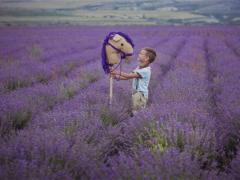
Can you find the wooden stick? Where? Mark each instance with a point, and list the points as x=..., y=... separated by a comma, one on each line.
x=111, y=89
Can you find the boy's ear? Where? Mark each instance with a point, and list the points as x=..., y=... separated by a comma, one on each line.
x=148, y=58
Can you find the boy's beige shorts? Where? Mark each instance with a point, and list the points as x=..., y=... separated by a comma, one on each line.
x=138, y=101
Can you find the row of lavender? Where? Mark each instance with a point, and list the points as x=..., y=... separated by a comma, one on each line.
x=224, y=79
x=41, y=57
x=174, y=138
x=47, y=83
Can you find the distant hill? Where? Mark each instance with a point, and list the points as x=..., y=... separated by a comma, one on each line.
x=120, y=11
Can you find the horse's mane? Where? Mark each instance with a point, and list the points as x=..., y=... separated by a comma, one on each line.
x=105, y=65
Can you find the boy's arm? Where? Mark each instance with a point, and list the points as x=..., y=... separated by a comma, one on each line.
x=126, y=75
x=117, y=77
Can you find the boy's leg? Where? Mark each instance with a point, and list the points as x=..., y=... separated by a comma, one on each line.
x=138, y=102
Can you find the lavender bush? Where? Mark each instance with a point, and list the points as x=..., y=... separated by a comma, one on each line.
x=56, y=123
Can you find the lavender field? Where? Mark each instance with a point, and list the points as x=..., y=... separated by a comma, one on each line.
x=55, y=121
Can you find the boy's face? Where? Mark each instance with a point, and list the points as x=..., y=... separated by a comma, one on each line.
x=143, y=59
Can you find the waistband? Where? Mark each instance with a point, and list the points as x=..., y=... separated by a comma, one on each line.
x=135, y=91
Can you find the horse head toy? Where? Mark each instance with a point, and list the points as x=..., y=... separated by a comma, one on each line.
x=116, y=47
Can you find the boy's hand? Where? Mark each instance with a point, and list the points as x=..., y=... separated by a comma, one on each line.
x=114, y=72
x=116, y=77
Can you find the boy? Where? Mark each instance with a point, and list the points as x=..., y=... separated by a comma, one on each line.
x=141, y=77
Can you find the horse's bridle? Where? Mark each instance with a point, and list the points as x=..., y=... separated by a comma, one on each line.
x=123, y=54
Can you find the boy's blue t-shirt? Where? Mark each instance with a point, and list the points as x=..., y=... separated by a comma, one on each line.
x=141, y=84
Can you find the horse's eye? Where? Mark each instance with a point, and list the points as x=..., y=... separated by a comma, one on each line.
x=122, y=44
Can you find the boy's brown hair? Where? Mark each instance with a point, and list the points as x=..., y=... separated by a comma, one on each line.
x=151, y=53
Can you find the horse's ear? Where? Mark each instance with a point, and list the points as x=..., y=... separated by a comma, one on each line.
x=116, y=38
